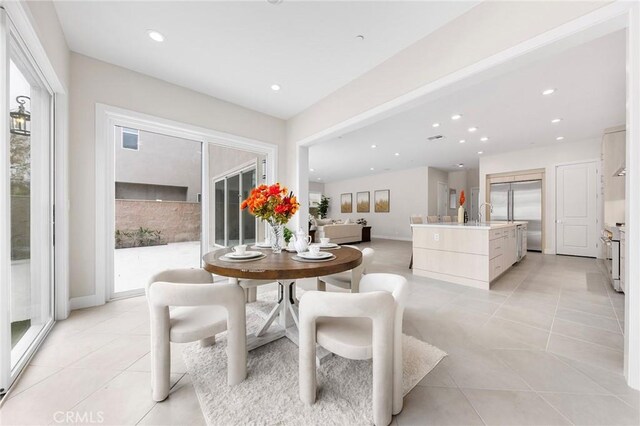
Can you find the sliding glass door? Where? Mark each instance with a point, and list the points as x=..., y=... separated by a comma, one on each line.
x=233, y=226
x=26, y=231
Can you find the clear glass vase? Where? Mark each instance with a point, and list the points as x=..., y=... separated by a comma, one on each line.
x=277, y=237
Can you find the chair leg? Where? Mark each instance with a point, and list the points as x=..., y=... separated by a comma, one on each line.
x=208, y=341
x=307, y=360
x=398, y=397
x=382, y=374
x=236, y=340
x=252, y=294
x=160, y=362
x=411, y=262
x=320, y=285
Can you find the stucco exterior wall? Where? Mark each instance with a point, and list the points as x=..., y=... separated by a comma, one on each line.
x=178, y=221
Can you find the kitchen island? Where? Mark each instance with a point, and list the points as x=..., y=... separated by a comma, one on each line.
x=467, y=253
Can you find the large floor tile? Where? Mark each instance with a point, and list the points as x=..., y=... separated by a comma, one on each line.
x=590, y=308
x=31, y=376
x=181, y=408
x=603, y=323
x=59, y=392
x=76, y=347
x=593, y=409
x=586, y=352
x=117, y=355
x=513, y=408
x=177, y=362
x=534, y=337
x=528, y=316
x=125, y=400
x=545, y=372
x=613, y=381
x=439, y=376
x=589, y=334
x=483, y=370
x=437, y=406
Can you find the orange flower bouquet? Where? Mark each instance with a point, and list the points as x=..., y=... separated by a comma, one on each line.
x=275, y=205
x=462, y=199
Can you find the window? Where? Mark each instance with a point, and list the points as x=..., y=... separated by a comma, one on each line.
x=130, y=138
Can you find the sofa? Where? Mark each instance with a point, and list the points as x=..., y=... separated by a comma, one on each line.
x=339, y=233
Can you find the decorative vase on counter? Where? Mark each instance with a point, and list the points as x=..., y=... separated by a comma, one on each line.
x=277, y=237
x=461, y=209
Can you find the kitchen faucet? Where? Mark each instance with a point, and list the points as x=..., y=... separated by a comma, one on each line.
x=479, y=219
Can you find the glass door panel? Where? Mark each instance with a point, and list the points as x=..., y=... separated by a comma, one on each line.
x=158, y=183
x=233, y=210
x=30, y=213
x=248, y=220
x=219, y=212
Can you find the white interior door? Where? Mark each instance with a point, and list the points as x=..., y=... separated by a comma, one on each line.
x=576, y=206
x=443, y=199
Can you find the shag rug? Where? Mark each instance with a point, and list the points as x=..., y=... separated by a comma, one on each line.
x=269, y=395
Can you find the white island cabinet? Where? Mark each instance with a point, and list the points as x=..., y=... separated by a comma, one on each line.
x=468, y=254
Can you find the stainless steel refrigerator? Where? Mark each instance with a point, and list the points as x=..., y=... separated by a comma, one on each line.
x=520, y=201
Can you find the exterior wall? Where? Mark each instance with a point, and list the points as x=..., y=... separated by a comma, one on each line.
x=408, y=195
x=178, y=221
x=546, y=157
x=161, y=160
x=20, y=226
x=95, y=81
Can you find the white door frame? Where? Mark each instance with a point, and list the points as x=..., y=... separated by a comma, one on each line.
x=107, y=117
x=620, y=9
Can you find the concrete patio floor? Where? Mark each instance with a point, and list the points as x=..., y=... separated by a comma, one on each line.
x=133, y=267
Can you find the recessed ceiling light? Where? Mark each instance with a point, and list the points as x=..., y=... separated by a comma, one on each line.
x=371, y=168
x=559, y=138
x=460, y=165
x=274, y=1
x=319, y=178
x=396, y=154
x=435, y=125
x=472, y=129
x=155, y=36
x=456, y=117
x=360, y=37
x=462, y=141
x=548, y=92
x=484, y=139
x=479, y=152
x=374, y=146
x=275, y=87
x=556, y=120
x=312, y=170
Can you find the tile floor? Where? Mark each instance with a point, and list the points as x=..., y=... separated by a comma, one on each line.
x=544, y=346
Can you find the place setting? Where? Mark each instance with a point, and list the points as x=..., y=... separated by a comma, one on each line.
x=314, y=255
x=326, y=244
x=241, y=254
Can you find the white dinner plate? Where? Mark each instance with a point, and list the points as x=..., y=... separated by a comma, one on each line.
x=321, y=255
x=315, y=259
x=246, y=255
x=263, y=244
x=328, y=246
x=250, y=259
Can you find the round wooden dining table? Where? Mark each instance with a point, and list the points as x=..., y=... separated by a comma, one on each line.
x=283, y=269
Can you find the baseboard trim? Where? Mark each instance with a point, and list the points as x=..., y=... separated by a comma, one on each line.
x=387, y=237
x=82, y=302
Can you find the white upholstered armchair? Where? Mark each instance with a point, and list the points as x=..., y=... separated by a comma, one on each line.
x=367, y=325
x=200, y=310
x=349, y=280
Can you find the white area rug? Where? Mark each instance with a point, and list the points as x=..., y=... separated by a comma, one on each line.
x=269, y=395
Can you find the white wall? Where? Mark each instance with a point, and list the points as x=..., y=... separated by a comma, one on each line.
x=547, y=157
x=317, y=187
x=408, y=195
x=94, y=82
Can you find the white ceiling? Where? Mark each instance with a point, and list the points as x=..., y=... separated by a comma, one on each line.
x=236, y=50
x=509, y=109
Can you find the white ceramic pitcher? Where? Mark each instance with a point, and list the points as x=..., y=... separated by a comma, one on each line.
x=302, y=241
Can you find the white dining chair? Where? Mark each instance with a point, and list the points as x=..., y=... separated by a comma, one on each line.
x=414, y=219
x=199, y=310
x=432, y=219
x=349, y=280
x=367, y=325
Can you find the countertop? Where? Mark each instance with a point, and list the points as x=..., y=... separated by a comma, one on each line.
x=468, y=225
